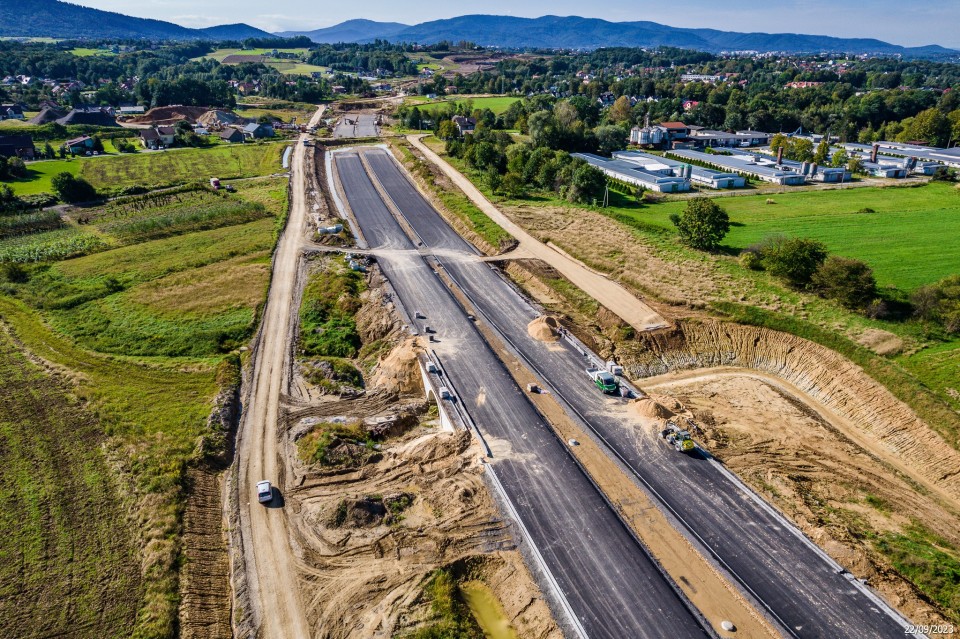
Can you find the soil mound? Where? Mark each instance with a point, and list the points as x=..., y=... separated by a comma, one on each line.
x=166, y=114
x=646, y=407
x=47, y=115
x=545, y=328
x=399, y=371
x=216, y=117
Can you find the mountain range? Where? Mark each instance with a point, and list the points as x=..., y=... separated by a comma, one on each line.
x=573, y=32
x=56, y=19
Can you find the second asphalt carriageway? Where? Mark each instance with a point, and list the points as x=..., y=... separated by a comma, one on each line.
x=612, y=586
x=792, y=579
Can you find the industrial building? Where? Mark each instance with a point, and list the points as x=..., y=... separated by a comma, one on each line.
x=949, y=157
x=663, y=181
x=680, y=135
x=699, y=175
x=745, y=164
x=865, y=152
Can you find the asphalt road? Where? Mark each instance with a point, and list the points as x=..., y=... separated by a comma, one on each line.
x=795, y=583
x=607, y=578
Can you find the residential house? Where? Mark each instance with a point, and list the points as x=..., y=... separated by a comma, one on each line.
x=158, y=137
x=338, y=89
x=257, y=131
x=464, y=124
x=231, y=135
x=150, y=139
x=79, y=146
x=11, y=112
x=690, y=105
x=132, y=110
x=17, y=146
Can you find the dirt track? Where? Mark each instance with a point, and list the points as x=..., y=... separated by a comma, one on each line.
x=274, y=595
x=607, y=292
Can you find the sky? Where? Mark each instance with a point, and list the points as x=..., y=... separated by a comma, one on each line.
x=904, y=22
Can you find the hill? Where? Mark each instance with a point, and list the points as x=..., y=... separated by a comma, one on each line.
x=351, y=31
x=591, y=33
x=55, y=19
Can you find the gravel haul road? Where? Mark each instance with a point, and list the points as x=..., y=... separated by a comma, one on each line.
x=270, y=562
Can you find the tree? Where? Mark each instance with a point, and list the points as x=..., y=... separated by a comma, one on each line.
x=97, y=144
x=586, y=184
x=448, y=130
x=840, y=158
x=850, y=282
x=16, y=168
x=72, y=189
x=794, y=259
x=801, y=150
x=822, y=153
x=855, y=165
x=930, y=126
x=703, y=224
x=620, y=111
x=610, y=138
x=48, y=151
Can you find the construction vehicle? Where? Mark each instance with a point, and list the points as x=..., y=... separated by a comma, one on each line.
x=604, y=380
x=679, y=439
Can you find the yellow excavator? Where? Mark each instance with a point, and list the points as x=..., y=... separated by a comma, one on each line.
x=679, y=439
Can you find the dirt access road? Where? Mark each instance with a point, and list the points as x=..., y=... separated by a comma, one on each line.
x=605, y=291
x=274, y=591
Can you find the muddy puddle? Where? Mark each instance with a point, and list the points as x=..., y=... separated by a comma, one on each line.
x=487, y=611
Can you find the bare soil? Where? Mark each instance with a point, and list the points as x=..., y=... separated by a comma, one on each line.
x=785, y=445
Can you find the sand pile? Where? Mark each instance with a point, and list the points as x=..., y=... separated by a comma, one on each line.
x=646, y=407
x=544, y=328
x=399, y=371
x=217, y=117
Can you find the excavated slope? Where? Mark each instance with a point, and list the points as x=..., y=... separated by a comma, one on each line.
x=874, y=414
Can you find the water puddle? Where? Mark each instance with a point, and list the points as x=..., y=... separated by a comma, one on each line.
x=487, y=611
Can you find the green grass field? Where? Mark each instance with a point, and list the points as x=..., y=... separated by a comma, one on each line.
x=142, y=333
x=68, y=563
x=82, y=52
x=497, y=104
x=158, y=169
x=903, y=241
x=220, y=54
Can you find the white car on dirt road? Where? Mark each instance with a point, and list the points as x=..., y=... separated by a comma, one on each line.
x=264, y=491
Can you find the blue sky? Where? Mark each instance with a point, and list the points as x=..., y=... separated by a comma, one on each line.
x=906, y=22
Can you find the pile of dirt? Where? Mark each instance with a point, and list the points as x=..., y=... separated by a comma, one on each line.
x=399, y=371
x=545, y=328
x=47, y=115
x=170, y=114
x=647, y=407
x=218, y=118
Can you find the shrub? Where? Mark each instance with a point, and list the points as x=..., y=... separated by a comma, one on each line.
x=73, y=189
x=845, y=280
x=751, y=260
x=793, y=259
x=703, y=224
x=940, y=303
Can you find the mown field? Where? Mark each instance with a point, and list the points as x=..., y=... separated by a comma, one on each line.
x=902, y=239
x=146, y=330
x=497, y=104
x=157, y=169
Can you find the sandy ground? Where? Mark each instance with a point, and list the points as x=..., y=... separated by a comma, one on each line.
x=789, y=449
x=609, y=293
